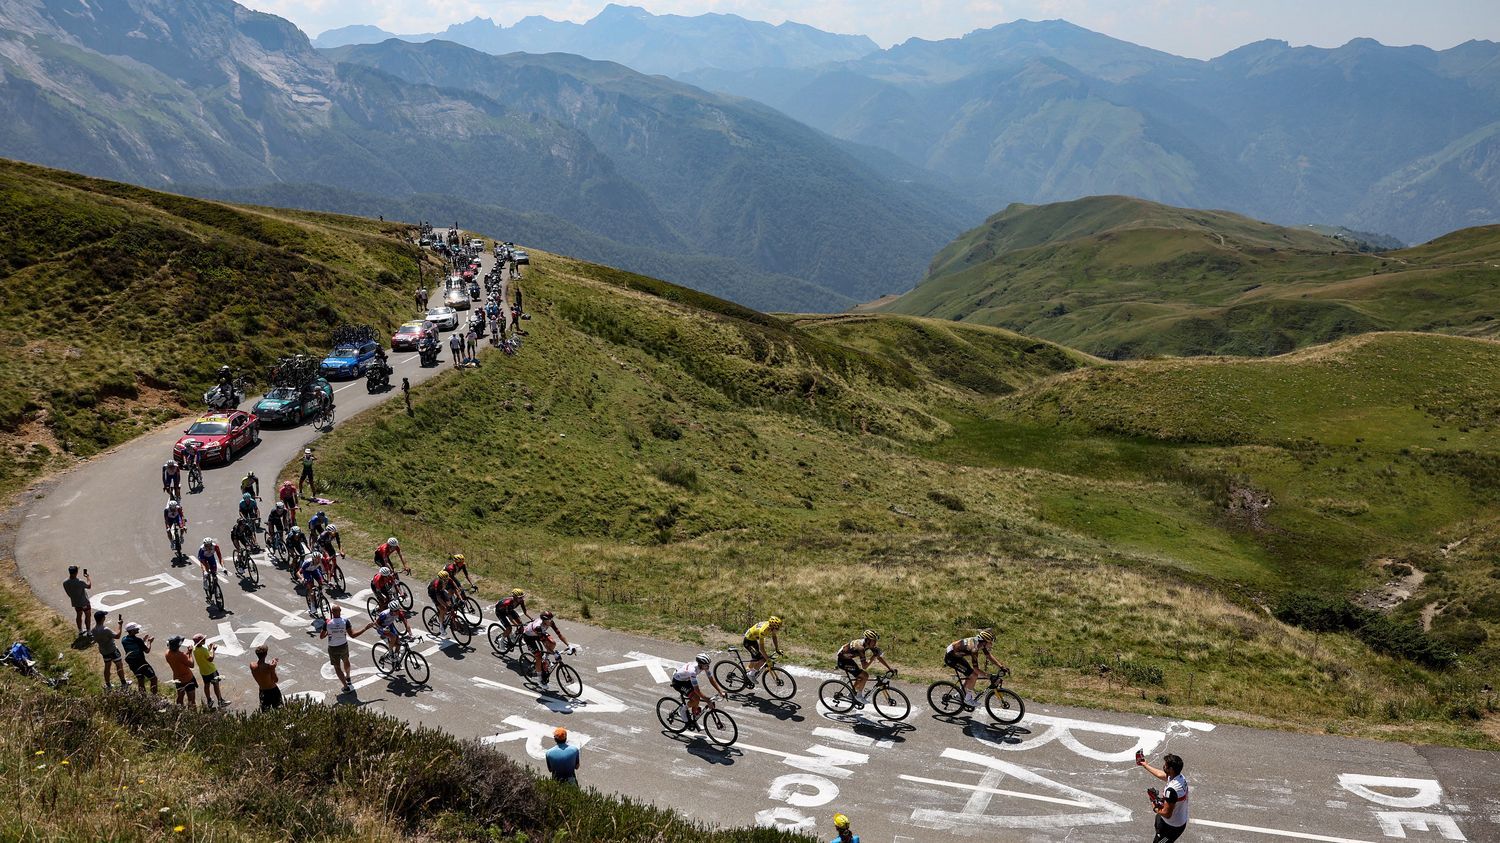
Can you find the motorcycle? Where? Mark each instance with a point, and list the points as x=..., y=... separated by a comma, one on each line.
x=477, y=322
x=474, y=290
x=378, y=377
x=219, y=398
x=427, y=352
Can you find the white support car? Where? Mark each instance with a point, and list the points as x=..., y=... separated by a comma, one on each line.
x=446, y=318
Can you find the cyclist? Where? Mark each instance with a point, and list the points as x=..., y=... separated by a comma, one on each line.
x=383, y=586
x=310, y=574
x=192, y=455
x=171, y=478
x=316, y=523
x=242, y=535
x=685, y=682
x=959, y=654
x=458, y=565
x=854, y=657
x=210, y=559
x=250, y=485
x=386, y=549
x=753, y=638
x=385, y=624
x=440, y=592
x=330, y=543
x=841, y=827
x=288, y=495
x=296, y=549
x=249, y=509
x=279, y=521
x=536, y=638
x=174, y=517
x=509, y=610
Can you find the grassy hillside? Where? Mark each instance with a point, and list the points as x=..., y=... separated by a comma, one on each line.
x=120, y=303
x=1123, y=277
x=658, y=460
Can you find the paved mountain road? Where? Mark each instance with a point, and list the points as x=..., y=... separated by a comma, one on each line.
x=1061, y=774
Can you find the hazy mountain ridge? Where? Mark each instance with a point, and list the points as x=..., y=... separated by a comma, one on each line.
x=1392, y=139
x=665, y=44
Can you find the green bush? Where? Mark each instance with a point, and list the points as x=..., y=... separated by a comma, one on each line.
x=677, y=474
x=946, y=499
x=1320, y=613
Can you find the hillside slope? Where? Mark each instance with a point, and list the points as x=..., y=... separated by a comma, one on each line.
x=120, y=303
x=1123, y=277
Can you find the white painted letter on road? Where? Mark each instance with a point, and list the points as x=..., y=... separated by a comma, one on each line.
x=1425, y=792
x=1396, y=823
x=803, y=790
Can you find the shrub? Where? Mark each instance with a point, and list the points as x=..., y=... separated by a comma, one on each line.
x=946, y=499
x=663, y=429
x=677, y=474
x=1395, y=638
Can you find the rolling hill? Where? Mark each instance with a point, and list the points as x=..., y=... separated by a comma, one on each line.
x=1123, y=277
x=1399, y=140
x=209, y=97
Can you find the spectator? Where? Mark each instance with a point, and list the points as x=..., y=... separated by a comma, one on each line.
x=1171, y=805
x=136, y=646
x=264, y=673
x=307, y=471
x=105, y=639
x=21, y=657
x=456, y=348
x=422, y=299
x=841, y=826
x=337, y=630
x=203, y=654
x=562, y=760
x=182, y=672
x=78, y=596
x=471, y=342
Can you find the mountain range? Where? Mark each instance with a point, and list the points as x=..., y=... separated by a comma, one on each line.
x=666, y=44
x=1122, y=277
x=722, y=194
x=1398, y=140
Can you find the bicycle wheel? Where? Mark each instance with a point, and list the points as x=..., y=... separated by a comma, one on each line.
x=946, y=698
x=568, y=681
x=778, y=683
x=416, y=668
x=1004, y=705
x=731, y=676
x=471, y=611
x=218, y=594
x=891, y=703
x=381, y=655
x=372, y=606
x=836, y=696
x=336, y=579
x=252, y=571
x=403, y=595
x=719, y=728
x=460, y=631
x=672, y=712
x=320, y=604
x=430, y=620
x=496, y=635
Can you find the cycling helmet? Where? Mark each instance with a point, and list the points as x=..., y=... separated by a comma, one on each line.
x=517, y=592
x=332, y=527
x=295, y=531
x=702, y=659
x=459, y=558
x=247, y=497
x=384, y=571
x=173, y=504
x=773, y=621
x=872, y=635
x=249, y=474
x=442, y=575
x=206, y=542
x=281, y=504
x=840, y=822
x=169, y=463
x=224, y=370
x=546, y=616
x=321, y=514
x=985, y=636
x=392, y=542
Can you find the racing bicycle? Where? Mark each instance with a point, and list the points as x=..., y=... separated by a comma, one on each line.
x=195, y=478
x=458, y=628
x=501, y=641
x=736, y=679
x=402, y=657
x=174, y=537
x=837, y=695
x=1003, y=704
x=568, y=680
x=245, y=567
x=717, y=726
x=212, y=593
x=323, y=421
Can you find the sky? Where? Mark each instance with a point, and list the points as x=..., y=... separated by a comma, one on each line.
x=1195, y=28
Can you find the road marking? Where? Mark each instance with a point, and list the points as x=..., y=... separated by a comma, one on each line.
x=1072, y=803
x=533, y=733
x=851, y=738
x=655, y=665
x=595, y=702
x=1298, y=835
x=166, y=581
x=823, y=760
x=263, y=631
x=974, y=817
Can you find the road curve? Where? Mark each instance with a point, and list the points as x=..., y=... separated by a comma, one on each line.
x=1061, y=774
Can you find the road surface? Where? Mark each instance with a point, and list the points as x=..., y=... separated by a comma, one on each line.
x=1061, y=774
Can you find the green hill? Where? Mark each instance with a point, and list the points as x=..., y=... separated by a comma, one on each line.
x=1123, y=277
x=120, y=302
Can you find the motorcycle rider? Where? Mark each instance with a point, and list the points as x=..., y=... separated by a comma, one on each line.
x=227, y=393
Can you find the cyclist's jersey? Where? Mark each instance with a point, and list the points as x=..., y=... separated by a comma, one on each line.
x=510, y=605
x=191, y=456
x=382, y=584
x=317, y=524
x=171, y=516
x=311, y=568
x=385, y=623
x=759, y=631
x=688, y=673
x=288, y=494
x=968, y=646
x=454, y=569
x=249, y=484
x=169, y=472
x=535, y=629
x=209, y=556
x=383, y=553
x=279, y=521
x=247, y=507
x=296, y=543
x=437, y=589
x=330, y=539
x=856, y=649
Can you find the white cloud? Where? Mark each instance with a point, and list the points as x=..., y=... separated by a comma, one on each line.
x=1200, y=28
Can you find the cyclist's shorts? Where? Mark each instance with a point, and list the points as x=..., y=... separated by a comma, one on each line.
x=511, y=617
x=682, y=686
x=957, y=662
x=752, y=649
x=850, y=666
x=438, y=596
x=312, y=575
x=535, y=644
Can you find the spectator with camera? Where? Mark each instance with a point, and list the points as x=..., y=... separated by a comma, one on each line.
x=1170, y=804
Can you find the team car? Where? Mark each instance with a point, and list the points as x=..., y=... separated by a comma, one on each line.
x=348, y=360
x=292, y=404
x=457, y=298
x=220, y=435
x=445, y=318
x=409, y=334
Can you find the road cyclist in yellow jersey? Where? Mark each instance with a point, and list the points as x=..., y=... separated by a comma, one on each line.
x=753, y=638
